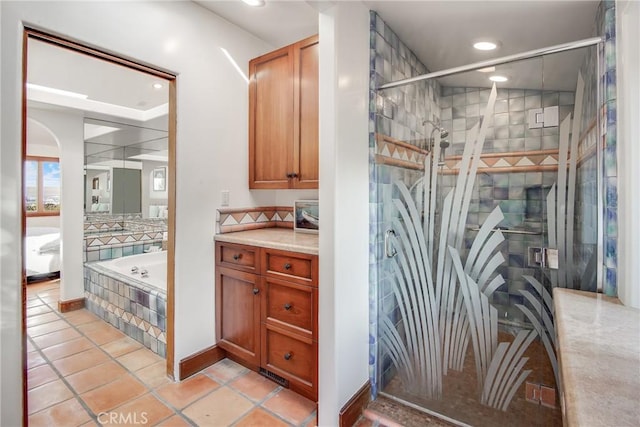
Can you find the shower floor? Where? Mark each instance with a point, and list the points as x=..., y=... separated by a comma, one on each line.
x=460, y=397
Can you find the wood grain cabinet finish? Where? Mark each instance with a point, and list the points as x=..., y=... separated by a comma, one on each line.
x=270, y=319
x=283, y=117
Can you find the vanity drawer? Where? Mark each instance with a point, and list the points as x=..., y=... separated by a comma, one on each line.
x=289, y=356
x=290, y=305
x=239, y=257
x=293, y=266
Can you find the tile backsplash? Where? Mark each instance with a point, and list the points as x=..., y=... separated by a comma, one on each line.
x=240, y=219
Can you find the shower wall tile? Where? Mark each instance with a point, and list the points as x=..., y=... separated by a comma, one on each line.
x=399, y=132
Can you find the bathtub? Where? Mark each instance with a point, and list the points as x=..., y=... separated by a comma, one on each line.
x=154, y=262
x=134, y=304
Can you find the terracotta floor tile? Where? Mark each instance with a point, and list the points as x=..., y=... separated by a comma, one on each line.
x=67, y=348
x=122, y=346
x=95, y=376
x=56, y=337
x=114, y=394
x=40, y=375
x=47, y=395
x=175, y=421
x=226, y=370
x=35, y=302
x=155, y=375
x=69, y=413
x=80, y=361
x=182, y=393
x=46, y=328
x=139, y=359
x=255, y=386
x=314, y=422
x=221, y=408
x=40, y=309
x=80, y=317
x=34, y=359
x=260, y=418
x=90, y=424
x=104, y=335
x=93, y=325
x=290, y=406
x=146, y=410
x=42, y=319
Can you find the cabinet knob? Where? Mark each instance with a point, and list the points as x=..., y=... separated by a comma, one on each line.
x=294, y=175
x=287, y=266
x=287, y=306
x=289, y=175
x=256, y=291
x=237, y=257
x=287, y=356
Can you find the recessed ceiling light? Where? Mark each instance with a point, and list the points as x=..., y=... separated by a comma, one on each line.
x=254, y=3
x=485, y=45
x=498, y=79
x=487, y=70
x=157, y=85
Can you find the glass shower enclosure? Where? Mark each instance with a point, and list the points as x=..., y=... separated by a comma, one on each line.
x=486, y=199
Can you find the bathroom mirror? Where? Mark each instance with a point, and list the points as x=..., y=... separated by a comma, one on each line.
x=125, y=165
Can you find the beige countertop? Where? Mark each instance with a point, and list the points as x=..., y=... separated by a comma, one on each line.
x=599, y=352
x=274, y=238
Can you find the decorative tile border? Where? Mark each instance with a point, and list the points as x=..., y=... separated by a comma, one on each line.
x=524, y=161
x=390, y=151
x=139, y=312
x=240, y=219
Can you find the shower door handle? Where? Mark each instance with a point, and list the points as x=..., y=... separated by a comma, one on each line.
x=389, y=251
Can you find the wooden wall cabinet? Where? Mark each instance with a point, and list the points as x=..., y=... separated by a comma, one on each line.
x=283, y=117
x=267, y=312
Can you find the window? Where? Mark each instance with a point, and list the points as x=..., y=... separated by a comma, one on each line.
x=42, y=186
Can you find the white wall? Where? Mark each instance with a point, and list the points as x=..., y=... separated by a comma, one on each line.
x=68, y=128
x=344, y=206
x=212, y=149
x=628, y=95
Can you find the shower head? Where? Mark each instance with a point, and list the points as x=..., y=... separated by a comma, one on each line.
x=436, y=127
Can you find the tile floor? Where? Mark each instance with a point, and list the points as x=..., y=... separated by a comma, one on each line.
x=82, y=371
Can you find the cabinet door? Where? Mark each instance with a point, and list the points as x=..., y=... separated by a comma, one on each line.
x=306, y=114
x=271, y=116
x=238, y=313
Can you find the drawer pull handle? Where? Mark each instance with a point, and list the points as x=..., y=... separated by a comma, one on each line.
x=287, y=266
x=287, y=306
x=256, y=291
x=237, y=257
x=288, y=356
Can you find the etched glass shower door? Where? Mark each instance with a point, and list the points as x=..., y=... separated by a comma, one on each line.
x=475, y=238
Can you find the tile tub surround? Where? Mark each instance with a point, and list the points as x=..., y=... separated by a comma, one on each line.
x=108, y=238
x=229, y=220
x=137, y=310
x=598, y=341
x=274, y=238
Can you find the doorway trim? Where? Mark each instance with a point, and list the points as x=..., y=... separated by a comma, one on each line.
x=32, y=33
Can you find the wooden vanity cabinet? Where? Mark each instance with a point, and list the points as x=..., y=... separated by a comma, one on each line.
x=283, y=117
x=270, y=320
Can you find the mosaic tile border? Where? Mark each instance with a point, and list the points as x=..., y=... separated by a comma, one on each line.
x=229, y=220
x=139, y=313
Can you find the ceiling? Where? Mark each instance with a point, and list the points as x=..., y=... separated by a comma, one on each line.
x=441, y=33
x=121, y=106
